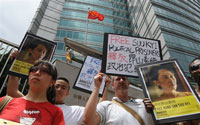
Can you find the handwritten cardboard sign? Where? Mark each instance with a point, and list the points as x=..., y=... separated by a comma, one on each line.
x=85, y=79
x=122, y=53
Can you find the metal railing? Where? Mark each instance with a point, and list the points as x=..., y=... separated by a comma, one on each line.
x=6, y=48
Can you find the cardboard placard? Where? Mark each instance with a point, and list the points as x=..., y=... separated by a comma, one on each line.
x=122, y=53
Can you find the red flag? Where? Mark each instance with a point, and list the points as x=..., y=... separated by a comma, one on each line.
x=94, y=15
x=100, y=17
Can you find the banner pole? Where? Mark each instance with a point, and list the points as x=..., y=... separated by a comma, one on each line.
x=86, y=28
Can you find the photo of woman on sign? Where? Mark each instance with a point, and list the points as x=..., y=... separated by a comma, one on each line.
x=32, y=50
x=165, y=83
x=35, y=51
x=164, y=78
x=173, y=97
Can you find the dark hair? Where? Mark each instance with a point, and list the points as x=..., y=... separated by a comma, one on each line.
x=51, y=94
x=66, y=80
x=197, y=58
x=51, y=68
x=34, y=43
x=51, y=91
x=154, y=71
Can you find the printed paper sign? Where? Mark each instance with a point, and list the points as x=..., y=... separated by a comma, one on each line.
x=166, y=86
x=32, y=50
x=85, y=79
x=7, y=122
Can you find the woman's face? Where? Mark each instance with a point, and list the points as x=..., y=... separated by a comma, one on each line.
x=166, y=80
x=39, y=78
x=38, y=52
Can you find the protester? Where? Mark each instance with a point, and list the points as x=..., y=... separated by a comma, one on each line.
x=194, y=69
x=34, y=108
x=108, y=112
x=12, y=86
x=73, y=115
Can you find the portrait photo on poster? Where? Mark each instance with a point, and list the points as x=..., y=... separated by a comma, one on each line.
x=165, y=84
x=85, y=79
x=121, y=54
x=32, y=49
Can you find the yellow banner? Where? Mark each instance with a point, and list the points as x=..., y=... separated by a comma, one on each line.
x=21, y=67
x=176, y=107
x=6, y=122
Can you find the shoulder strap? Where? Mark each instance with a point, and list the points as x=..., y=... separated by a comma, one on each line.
x=4, y=102
x=134, y=114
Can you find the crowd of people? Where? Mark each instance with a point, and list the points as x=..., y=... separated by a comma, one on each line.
x=40, y=106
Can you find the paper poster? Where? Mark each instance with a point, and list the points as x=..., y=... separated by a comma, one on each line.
x=32, y=50
x=170, y=92
x=7, y=122
x=85, y=79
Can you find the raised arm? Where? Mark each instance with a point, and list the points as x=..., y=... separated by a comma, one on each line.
x=91, y=117
x=12, y=87
x=105, y=93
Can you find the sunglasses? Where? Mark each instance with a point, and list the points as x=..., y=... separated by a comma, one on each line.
x=42, y=69
x=195, y=67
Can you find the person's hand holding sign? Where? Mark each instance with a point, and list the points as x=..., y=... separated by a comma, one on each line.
x=107, y=81
x=98, y=79
x=105, y=93
x=14, y=54
x=148, y=105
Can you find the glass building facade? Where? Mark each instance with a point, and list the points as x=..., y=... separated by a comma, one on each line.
x=74, y=23
x=176, y=23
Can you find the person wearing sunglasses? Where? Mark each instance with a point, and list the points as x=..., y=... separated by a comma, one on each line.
x=12, y=86
x=73, y=115
x=194, y=69
x=34, y=108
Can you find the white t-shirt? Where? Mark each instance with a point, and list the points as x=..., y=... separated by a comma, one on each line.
x=73, y=115
x=112, y=114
